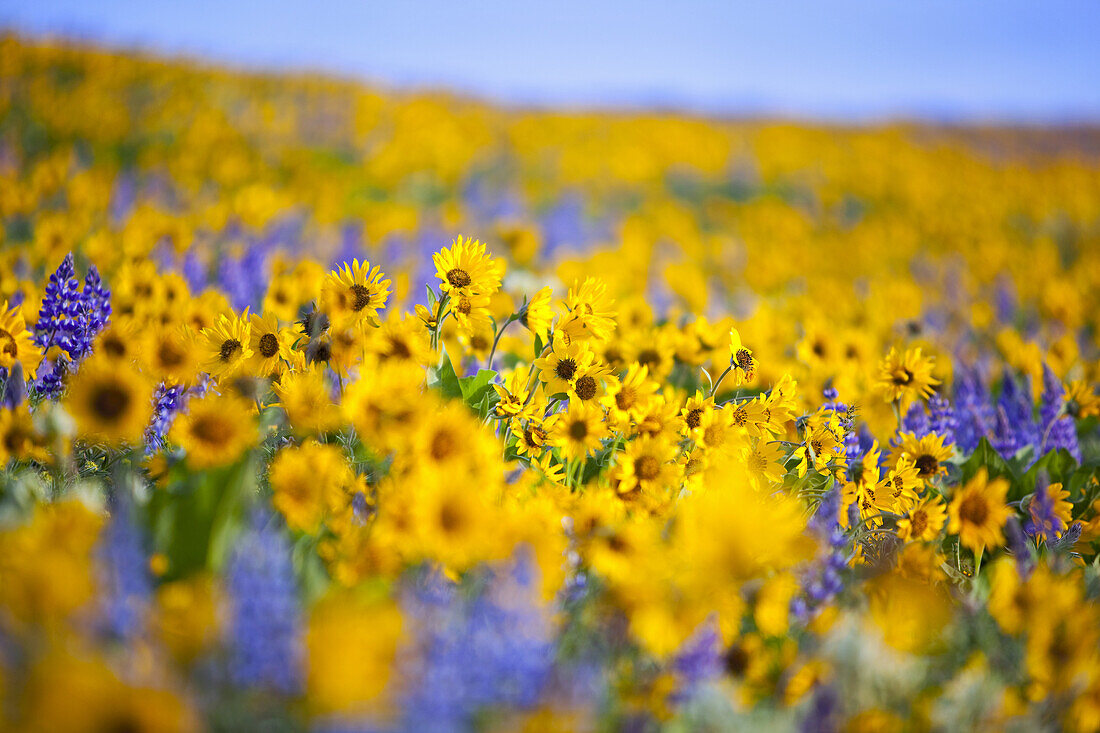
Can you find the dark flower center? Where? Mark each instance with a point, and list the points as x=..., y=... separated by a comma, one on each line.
x=694, y=417
x=927, y=466
x=578, y=430
x=744, y=359
x=626, y=398
x=211, y=429
x=230, y=347
x=586, y=387
x=458, y=278
x=269, y=345
x=566, y=368
x=974, y=510
x=110, y=402
x=647, y=468
x=918, y=522
x=362, y=297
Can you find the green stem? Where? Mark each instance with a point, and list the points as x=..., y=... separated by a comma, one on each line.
x=500, y=332
x=714, y=389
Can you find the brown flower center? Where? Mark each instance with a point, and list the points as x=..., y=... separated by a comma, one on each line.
x=362, y=296
x=974, y=509
x=458, y=278
x=443, y=445
x=649, y=358
x=918, y=522
x=566, y=368
x=647, y=468
x=586, y=387
x=211, y=429
x=464, y=306
x=578, y=430
x=927, y=466
x=269, y=345
x=9, y=348
x=903, y=376
x=626, y=398
x=230, y=348
x=110, y=402
x=694, y=417
x=744, y=359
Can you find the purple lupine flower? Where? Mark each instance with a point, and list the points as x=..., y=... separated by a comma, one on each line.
x=97, y=301
x=125, y=587
x=1015, y=427
x=194, y=272
x=1019, y=547
x=244, y=279
x=265, y=625
x=1058, y=431
x=916, y=421
x=941, y=420
x=1043, y=522
x=61, y=309
x=168, y=401
x=1005, y=300
x=822, y=716
x=974, y=413
x=492, y=650
x=823, y=579
x=15, y=387
x=699, y=659
x=69, y=319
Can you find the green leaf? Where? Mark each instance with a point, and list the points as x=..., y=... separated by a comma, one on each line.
x=474, y=388
x=985, y=455
x=444, y=379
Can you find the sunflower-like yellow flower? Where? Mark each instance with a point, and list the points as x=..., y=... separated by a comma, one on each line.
x=628, y=398
x=171, y=353
x=111, y=402
x=924, y=521
x=741, y=359
x=353, y=294
x=19, y=439
x=1050, y=512
x=588, y=311
x=1081, y=399
x=270, y=345
x=978, y=512
x=226, y=345
x=465, y=269
x=905, y=377
x=15, y=342
x=566, y=362
x=538, y=313
x=308, y=482
x=646, y=466
x=579, y=430
x=216, y=430
x=307, y=400
x=928, y=454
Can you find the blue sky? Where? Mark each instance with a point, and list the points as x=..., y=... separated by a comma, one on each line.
x=848, y=59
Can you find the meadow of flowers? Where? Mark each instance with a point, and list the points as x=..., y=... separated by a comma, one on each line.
x=334, y=408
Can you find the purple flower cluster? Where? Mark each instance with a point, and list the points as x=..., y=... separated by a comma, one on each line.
x=823, y=579
x=168, y=401
x=70, y=318
x=494, y=649
x=974, y=413
x=939, y=418
x=264, y=611
x=124, y=582
x=698, y=660
x=1058, y=431
x=244, y=279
